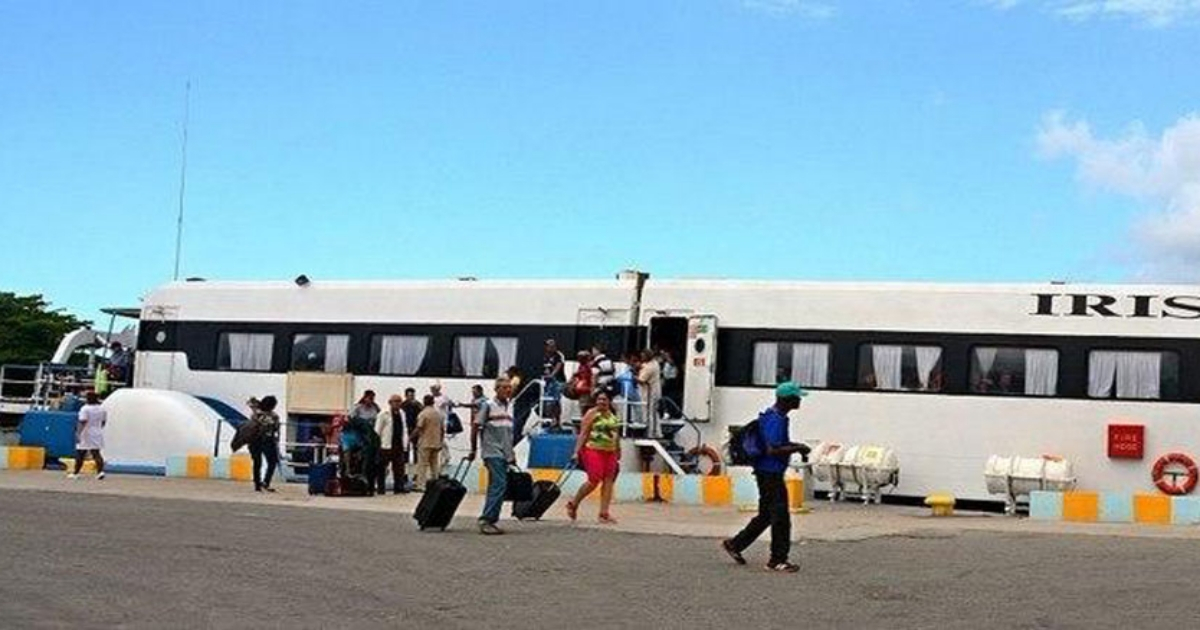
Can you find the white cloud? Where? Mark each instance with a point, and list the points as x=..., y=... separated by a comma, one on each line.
x=1162, y=171
x=803, y=8
x=1156, y=13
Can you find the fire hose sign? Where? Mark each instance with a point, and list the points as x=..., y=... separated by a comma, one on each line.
x=1126, y=441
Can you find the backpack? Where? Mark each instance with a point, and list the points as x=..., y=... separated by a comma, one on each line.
x=454, y=424
x=746, y=444
x=247, y=432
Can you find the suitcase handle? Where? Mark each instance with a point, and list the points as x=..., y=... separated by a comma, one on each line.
x=460, y=471
x=562, y=476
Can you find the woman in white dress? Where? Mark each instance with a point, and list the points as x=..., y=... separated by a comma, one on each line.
x=89, y=435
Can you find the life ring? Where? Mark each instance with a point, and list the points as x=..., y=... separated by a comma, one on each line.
x=711, y=453
x=1172, y=486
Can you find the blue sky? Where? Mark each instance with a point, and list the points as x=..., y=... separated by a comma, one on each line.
x=972, y=140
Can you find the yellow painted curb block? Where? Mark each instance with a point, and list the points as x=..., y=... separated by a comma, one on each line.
x=1153, y=509
x=198, y=466
x=717, y=491
x=241, y=467
x=89, y=466
x=26, y=457
x=1081, y=507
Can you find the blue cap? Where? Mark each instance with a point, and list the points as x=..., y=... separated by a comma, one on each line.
x=789, y=389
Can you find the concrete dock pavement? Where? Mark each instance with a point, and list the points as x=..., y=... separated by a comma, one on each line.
x=144, y=552
x=824, y=521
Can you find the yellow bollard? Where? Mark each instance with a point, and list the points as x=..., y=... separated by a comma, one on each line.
x=942, y=503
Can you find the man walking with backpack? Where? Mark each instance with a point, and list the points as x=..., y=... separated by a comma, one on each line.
x=771, y=448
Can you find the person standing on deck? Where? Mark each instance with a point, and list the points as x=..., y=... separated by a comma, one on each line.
x=649, y=379
x=389, y=424
x=492, y=437
x=553, y=377
x=412, y=407
x=89, y=435
x=769, y=467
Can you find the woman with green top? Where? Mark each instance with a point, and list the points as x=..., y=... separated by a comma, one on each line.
x=598, y=450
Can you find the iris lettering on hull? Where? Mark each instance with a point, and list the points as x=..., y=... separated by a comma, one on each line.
x=1127, y=306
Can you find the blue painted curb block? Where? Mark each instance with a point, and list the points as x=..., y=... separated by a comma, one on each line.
x=177, y=466
x=745, y=490
x=220, y=468
x=1045, y=506
x=687, y=490
x=1116, y=507
x=628, y=488
x=1185, y=510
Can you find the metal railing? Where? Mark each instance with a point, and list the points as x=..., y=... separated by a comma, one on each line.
x=38, y=386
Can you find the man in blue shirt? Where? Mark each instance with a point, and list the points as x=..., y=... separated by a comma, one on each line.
x=772, y=493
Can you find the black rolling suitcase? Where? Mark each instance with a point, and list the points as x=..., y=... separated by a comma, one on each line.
x=544, y=494
x=519, y=485
x=441, y=499
x=349, y=487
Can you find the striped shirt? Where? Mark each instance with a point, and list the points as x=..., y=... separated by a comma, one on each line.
x=496, y=429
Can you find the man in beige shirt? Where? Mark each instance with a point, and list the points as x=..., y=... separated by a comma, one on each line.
x=649, y=379
x=429, y=437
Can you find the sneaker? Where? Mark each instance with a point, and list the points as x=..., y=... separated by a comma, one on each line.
x=100, y=476
x=727, y=545
x=488, y=529
x=783, y=567
x=72, y=476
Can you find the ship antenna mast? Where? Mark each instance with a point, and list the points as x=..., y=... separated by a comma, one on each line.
x=182, y=177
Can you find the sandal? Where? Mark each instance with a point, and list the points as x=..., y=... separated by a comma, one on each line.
x=572, y=510
x=607, y=519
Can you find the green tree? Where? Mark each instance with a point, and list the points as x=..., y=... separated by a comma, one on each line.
x=29, y=329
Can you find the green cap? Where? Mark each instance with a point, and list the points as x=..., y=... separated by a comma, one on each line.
x=789, y=389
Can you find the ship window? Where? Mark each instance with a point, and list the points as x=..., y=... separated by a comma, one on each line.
x=1133, y=375
x=900, y=368
x=804, y=363
x=398, y=354
x=1014, y=371
x=483, y=356
x=250, y=352
x=320, y=352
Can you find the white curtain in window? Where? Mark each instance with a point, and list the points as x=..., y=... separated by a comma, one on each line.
x=886, y=360
x=402, y=354
x=1041, y=372
x=1138, y=374
x=471, y=351
x=250, y=351
x=337, y=348
x=927, y=359
x=766, y=363
x=1102, y=371
x=986, y=358
x=506, y=349
x=810, y=364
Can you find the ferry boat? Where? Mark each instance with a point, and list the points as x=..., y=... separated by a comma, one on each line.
x=945, y=375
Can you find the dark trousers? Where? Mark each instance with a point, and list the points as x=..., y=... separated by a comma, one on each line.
x=396, y=457
x=773, y=513
x=258, y=452
x=96, y=457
